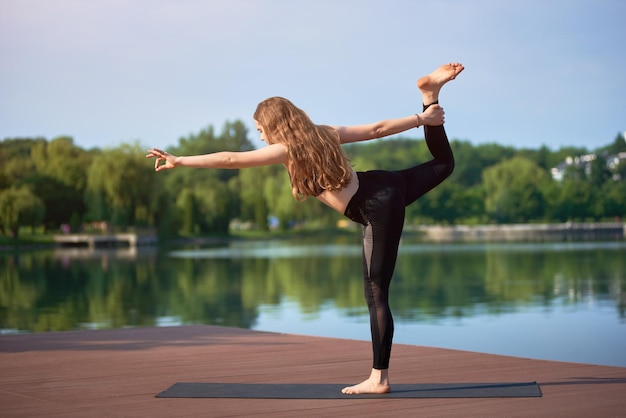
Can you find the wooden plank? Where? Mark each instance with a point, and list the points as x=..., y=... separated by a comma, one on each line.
x=118, y=372
x=109, y=240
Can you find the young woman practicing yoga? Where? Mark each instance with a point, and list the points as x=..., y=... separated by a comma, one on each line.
x=376, y=199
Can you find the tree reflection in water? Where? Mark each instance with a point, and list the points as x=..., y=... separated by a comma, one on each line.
x=78, y=289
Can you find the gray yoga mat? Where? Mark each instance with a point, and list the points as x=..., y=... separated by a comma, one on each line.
x=333, y=391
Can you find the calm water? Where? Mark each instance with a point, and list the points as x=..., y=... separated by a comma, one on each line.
x=557, y=301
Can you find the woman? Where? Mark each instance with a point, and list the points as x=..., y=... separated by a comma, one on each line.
x=376, y=199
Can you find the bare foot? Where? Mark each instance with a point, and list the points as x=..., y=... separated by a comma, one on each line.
x=378, y=382
x=431, y=84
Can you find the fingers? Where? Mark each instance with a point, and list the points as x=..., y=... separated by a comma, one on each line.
x=440, y=112
x=155, y=152
x=160, y=156
x=163, y=166
x=434, y=115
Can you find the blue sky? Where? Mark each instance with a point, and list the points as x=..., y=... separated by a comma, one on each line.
x=111, y=71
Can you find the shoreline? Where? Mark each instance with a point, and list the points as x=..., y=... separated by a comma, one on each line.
x=567, y=231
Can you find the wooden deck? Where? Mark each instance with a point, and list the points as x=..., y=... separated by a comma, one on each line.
x=116, y=373
x=108, y=240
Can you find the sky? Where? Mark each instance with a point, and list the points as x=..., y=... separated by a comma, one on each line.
x=107, y=72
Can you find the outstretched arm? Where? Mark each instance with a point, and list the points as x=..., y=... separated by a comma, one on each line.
x=433, y=116
x=271, y=154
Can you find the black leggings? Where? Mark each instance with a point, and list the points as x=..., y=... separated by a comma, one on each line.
x=379, y=205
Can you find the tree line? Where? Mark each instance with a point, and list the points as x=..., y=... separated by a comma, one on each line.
x=53, y=184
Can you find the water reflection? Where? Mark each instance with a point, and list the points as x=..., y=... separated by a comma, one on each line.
x=276, y=285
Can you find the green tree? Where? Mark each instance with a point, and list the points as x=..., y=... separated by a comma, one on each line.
x=541, y=156
x=279, y=198
x=254, y=205
x=513, y=190
x=210, y=198
x=215, y=208
x=120, y=176
x=15, y=155
x=614, y=200
x=187, y=207
x=59, y=179
x=572, y=202
x=19, y=207
x=600, y=172
x=17, y=171
x=470, y=160
x=60, y=159
x=441, y=205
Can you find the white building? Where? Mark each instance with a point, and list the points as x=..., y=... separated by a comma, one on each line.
x=584, y=161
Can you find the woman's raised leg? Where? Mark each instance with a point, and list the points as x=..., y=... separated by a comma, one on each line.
x=424, y=177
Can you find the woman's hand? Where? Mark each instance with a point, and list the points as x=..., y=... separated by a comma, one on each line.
x=169, y=160
x=433, y=116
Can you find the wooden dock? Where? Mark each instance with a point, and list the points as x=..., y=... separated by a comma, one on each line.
x=106, y=240
x=117, y=373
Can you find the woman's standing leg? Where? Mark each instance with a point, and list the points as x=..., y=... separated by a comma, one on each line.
x=384, y=209
x=384, y=216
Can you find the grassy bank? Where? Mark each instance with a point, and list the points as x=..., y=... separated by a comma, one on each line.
x=26, y=240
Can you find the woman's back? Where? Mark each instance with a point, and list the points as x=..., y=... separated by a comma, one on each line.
x=339, y=199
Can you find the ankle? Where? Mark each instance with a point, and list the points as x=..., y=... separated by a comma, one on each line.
x=380, y=376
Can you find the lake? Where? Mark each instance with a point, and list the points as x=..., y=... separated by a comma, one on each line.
x=562, y=301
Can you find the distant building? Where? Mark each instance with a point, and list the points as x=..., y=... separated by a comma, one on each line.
x=584, y=162
x=612, y=161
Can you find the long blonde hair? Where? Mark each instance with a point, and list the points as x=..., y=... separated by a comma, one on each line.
x=316, y=160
